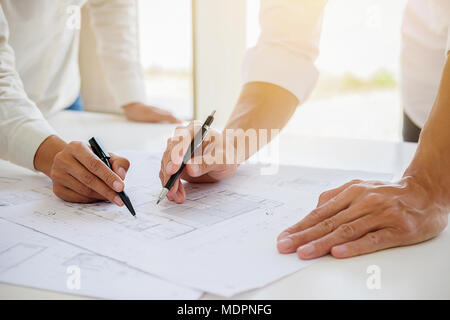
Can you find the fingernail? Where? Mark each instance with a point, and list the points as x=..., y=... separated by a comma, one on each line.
x=122, y=172
x=285, y=244
x=118, y=201
x=340, y=250
x=117, y=186
x=283, y=235
x=306, y=250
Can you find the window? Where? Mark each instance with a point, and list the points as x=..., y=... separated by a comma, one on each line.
x=357, y=93
x=166, y=54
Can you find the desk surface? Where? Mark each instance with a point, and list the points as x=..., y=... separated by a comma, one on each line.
x=415, y=272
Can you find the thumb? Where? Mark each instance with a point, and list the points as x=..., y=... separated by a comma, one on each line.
x=119, y=165
x=198, y=167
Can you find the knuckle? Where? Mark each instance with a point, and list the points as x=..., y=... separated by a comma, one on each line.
x=354, y=188
x=327, y=225
x=373, y=198
x=59, y=160
x=409, y=226
x=94, y=165
x=393, y=212
x=87, y=178
x=374, y=239
x=331, y=203
x=315, y=214
x=109, y=195
x=75, y=145
x=87, y=192
x=110, y=178
x=323, y=195
x=55, y=175
x=347, y=231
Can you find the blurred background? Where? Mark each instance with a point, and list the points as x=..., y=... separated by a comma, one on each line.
x=191, y=51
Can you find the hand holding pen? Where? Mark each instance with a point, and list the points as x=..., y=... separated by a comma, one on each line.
x=78, y=175
x=175, y=166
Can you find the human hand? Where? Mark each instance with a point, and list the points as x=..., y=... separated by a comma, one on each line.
x=366, y=216
x=140, y=112
x=215, y=162
x=78, y=175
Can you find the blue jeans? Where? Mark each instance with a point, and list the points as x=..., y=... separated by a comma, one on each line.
x=77, y=105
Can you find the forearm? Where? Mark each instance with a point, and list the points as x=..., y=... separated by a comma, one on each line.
x=431, y=163
x=261, y=106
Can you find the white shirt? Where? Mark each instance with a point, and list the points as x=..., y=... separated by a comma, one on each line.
x=39, y=72
x=289, y=45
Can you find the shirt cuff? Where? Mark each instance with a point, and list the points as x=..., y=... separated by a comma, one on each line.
x=281, y=67
x=130, y=90
x=26, y=140
x=448, y=40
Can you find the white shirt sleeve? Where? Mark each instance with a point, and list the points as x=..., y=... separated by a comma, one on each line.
x=115, y=25
x=440, y=10
x=288, y=46
x=22, y=125
x=448, y=40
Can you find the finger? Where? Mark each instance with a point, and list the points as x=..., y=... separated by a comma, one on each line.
x=73, y=184
x=71, y=196
x=291, y=242
x=371, y=242
x=92, y=163
x=172, y=157
x=330, y=208
x=79, y=172
x=345, y=233
x=174, y=189
x=328, y=195
x=171, y=168
x=201, y=165
x=180, y=194
x=119, y=165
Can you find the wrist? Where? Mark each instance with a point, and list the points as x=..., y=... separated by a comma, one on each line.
x=43, y=159
x=428, y=180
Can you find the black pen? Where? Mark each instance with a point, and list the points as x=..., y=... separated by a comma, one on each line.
x=100, y=152
x=195, y=143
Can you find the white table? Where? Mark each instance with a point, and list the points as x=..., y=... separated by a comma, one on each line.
x=416, y=272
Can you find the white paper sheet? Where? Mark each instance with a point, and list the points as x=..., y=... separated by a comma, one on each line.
x=222, y=240
x=30, y=258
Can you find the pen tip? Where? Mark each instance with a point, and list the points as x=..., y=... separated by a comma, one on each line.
x=157, y=202
x=213, y=113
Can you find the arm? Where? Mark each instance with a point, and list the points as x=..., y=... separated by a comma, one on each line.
x=26, y=139
x=431, y=163
x=366, y=216
x=115, y=25
x=278, y=73
x=22, y=125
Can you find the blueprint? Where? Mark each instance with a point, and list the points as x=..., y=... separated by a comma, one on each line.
x=221, y=240
x=30, y=258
